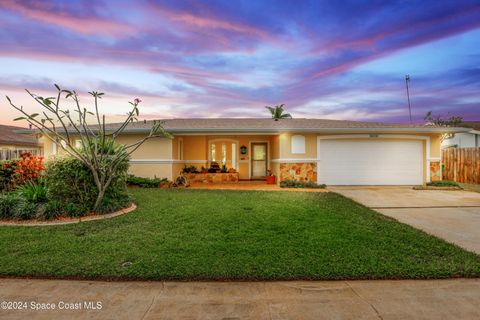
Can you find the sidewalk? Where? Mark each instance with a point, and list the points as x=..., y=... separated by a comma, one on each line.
x=402, y=299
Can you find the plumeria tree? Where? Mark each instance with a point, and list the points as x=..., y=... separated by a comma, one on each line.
x=437, y=120
x=278, y=112
x=99, y=151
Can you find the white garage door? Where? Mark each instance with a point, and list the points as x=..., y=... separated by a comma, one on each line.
x=377, y=162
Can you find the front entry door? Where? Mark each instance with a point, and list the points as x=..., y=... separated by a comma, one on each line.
x=259, y=161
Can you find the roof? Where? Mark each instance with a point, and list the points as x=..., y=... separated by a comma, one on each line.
x=10, y=135
x=475, y=125
x=269, y=125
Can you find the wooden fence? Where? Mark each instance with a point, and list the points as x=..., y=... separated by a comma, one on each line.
x=461, y=165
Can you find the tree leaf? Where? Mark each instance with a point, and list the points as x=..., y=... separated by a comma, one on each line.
x=33, y=115
x=19, y=118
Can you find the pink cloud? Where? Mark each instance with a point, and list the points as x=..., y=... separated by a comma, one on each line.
x=85, y=25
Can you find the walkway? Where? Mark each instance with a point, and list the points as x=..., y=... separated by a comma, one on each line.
x=422, y=299
x=251, y=185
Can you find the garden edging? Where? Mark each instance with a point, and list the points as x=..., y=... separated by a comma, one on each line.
x=37, y=223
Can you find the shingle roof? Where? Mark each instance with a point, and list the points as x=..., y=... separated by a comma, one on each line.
x=9, y=135
x=259, y=125
x=475, y=125
x=269, y=125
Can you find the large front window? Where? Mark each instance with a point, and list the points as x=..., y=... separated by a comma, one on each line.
x=224, y=152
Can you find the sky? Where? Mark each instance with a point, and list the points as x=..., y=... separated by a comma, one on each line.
x=183, y=59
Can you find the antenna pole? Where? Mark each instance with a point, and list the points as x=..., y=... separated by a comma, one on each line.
x=407, y=80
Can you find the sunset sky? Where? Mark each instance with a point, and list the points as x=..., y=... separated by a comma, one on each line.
x=323, y=59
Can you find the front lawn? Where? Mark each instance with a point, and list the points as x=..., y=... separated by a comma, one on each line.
x=212, y=234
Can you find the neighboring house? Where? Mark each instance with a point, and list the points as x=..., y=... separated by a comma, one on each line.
x=12, y=143
x=325, y=151
x=470, y=139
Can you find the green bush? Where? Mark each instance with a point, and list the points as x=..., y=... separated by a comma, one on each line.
x=7, y=172
x=145, y=182
x=443, y=183
x=300, y=184
x=8, y=202
x=33, y=191
x=24, y=210
x=49, y=210
x=70, y=183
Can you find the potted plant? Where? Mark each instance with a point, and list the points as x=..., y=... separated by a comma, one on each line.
x=270, y=177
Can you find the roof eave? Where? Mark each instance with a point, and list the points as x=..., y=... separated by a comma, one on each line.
x=280, y=130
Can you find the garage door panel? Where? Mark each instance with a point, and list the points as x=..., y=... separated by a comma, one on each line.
x=379, y=162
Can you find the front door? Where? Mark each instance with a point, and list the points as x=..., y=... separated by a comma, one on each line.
x=259, y=161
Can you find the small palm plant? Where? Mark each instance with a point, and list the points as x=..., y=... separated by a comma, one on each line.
x=278, y=112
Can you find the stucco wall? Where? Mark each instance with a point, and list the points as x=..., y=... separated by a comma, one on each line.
x=462, y=140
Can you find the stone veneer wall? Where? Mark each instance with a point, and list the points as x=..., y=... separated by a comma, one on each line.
x=435, y=171
x=298, y=171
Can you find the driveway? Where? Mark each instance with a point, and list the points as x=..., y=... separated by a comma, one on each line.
x=451, y=215
x=405, y=299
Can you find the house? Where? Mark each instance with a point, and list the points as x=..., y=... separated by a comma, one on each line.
x=470, y=139
x=12, y=143
x=334, y=152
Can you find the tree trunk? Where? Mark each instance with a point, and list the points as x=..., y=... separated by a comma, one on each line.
x=100, y=195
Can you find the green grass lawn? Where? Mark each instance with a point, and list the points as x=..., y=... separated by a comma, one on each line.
x=211, y=234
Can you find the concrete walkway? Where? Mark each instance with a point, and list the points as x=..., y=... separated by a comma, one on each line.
x=451, y=215
x=424, y=299
x=251, y=185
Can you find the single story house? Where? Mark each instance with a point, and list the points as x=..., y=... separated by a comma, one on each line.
x=12, y=143
x=470, y=139
x=334, y=152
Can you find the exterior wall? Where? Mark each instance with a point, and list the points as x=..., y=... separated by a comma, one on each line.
x=296, y=166
x=161, y=157
x=435, y=158
x=462, y=140
x=151, y=159
x=303, y=166
x=303, y=171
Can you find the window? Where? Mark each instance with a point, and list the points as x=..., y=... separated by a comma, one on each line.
x=234, y=156
x=298, y=144
x=212, y=152
x=180, y=149
x=224, y=154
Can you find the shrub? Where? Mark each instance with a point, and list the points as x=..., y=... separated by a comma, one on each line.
x=7, y=173
x=49, y=210
x=33, y=191
x=8, y=202
x=190, y=169
x=70, y=183
x=145, y=182
x=443, y=183
x=24, y=209
x=300, y=184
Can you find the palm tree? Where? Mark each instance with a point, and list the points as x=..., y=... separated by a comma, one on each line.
x=278, y=112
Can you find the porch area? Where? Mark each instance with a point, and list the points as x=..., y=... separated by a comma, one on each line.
x=224, y=159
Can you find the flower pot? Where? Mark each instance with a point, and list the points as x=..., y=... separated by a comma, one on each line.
x=270, y=179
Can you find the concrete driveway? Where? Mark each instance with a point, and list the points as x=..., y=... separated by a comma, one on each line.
x=451, y=215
